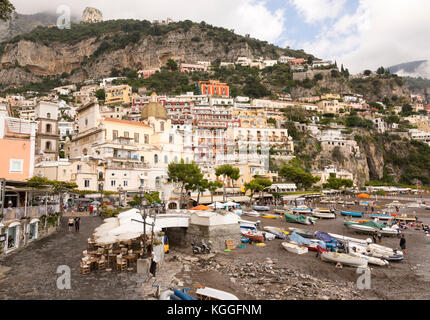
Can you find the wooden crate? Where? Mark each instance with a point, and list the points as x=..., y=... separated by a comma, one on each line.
x=230, y=244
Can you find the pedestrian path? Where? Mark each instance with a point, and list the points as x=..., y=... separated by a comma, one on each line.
x=31, y=273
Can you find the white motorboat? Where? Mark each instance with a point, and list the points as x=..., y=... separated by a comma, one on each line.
x=359, y=227
x=323, y=214
x=294, y=248
x=349, y=239
x=252, y=213
x=370, y=259
x=279, y=233
x=376, y=251
x=207, y=293
x=344, y=258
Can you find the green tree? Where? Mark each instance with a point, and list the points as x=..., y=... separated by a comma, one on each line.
x=227, y=171
x=380, y=70
x=337, y=183
x=172, y=65
x=100, y=94
x=186, y=174
x=212, y=187
x=6, y=10
x=298, y=175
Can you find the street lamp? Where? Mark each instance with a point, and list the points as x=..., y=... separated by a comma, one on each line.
x=120, y=189
x=144, y=215
x=101, y=198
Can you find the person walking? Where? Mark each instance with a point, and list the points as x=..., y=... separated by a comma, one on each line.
x=379, y=237
x=374, y=237
x=155, y=260
x=403, y=243
x=77, y=222
x=71, y=222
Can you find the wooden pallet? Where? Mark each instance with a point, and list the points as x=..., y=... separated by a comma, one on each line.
x=229, y=244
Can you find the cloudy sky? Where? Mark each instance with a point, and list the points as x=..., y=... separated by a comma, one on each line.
x=362, y=34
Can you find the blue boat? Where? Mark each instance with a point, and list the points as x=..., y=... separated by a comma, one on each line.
x=352, y=214
x=382, y=216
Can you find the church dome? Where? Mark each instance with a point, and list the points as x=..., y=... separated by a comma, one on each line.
x=154, y=109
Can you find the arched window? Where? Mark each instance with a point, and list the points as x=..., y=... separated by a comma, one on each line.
x=156, y=158
x=48, y=128
x=166, y=159
x=48, y=115
x=100, y=175
x=85, y=151
x=157, y=182
x=162, y=126
x=48, y=145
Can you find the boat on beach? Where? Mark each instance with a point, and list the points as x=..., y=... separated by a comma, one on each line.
x=279, y=233
x=207, y=293
x=352, y=214
x=302, y=210
x=382, y=216
x=344, y=258
x=301, y=219
x=261, y=208
x=405, y=219
x=256, y=236
x=323, y=214
x=370, y=259
x=252, y=213
x=302, y=232
x=294, y=248
x=372, y=227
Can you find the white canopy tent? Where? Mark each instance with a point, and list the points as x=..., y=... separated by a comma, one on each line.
x=217, y=205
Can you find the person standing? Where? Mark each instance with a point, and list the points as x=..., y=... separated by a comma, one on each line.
x=71, y=222
x=374, y=237
x=380, y=237
x=77, y=222
x=403, y=243
x=155, y=260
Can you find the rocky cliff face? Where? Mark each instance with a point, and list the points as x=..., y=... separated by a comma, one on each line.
x=150, y=51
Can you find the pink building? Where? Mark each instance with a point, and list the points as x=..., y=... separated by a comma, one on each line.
x=297, y=62
x=17, y=141
x=147, y=73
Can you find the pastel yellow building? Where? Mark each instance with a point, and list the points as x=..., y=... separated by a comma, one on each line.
x=118, y=95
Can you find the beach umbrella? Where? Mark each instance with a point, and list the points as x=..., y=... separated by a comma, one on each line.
x=364, y=195
x=231, y=204
x=217, y=205
x=201, y=208
x=128, y=236
x=107, y=239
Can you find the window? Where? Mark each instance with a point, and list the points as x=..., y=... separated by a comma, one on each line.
x=78, y=168
x=86, y=121
x=166, y=159
x=157, y=182
x=171, y=138
x=156, y=158
x=100, y=175
x=142, y=182
x=146, y=139
x=136, y=137
x=113, y=183
x=176, y=159
x=125, y=183
x=161, y=126
x=48, y=115
x=87, y=183
x=142, y=159
x=16, y=165
x=48, y=128
x=126, y=134
x=48, y=145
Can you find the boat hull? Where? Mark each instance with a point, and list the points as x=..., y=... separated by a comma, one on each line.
x=344, y=259
x=294, y=248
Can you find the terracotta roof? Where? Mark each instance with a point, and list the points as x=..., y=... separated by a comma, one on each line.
x=134, y=123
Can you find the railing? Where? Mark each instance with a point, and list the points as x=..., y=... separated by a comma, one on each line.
x=32, y=212
x=18, y=126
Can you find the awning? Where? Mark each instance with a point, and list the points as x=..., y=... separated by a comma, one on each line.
x=34, y=220
x=14, y=224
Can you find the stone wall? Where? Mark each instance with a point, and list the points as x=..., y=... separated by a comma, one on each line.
x=213, y=235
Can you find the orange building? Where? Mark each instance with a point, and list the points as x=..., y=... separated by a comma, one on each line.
x=214, y=88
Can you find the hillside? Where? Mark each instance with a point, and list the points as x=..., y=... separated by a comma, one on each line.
x=89, y=51
x=413, y=69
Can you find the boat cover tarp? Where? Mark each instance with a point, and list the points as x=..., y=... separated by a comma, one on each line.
x=371, y=224
x=303, y=241
x=295, y=219
x=324, y=236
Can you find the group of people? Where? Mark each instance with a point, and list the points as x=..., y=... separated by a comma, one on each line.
x=76, y=221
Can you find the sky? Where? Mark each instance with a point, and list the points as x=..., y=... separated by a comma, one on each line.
x=361, y=34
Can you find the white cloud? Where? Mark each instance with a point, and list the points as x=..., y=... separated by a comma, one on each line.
x=318, y=10
x=379, y=33
x=244, y=16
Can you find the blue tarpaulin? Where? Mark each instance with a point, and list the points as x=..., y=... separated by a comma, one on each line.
x=303, y=241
